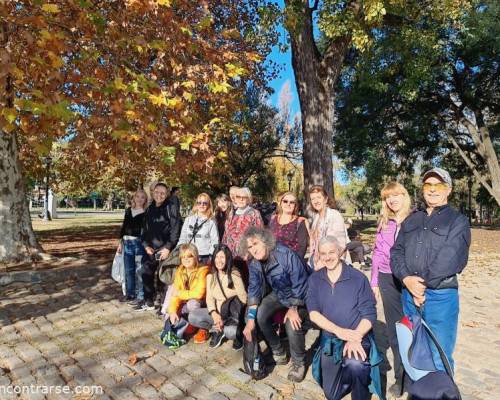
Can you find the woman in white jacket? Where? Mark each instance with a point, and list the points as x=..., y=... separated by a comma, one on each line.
x=327, y=221
x=200, y=228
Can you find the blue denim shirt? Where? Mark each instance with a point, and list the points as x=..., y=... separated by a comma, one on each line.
x=434, y=247
x=285, y=272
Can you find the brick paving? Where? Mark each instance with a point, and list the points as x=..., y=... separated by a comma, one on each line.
x=71, y=330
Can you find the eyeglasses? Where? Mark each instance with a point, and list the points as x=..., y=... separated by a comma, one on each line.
x=189, y=255
x=238, y=197
x=288, y=201
x=202, y=203
x=436, y=186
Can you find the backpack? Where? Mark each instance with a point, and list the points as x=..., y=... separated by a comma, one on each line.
x=253, y=361
x=427, y=383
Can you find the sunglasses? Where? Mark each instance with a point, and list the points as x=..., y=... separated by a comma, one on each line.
x=288, y=201
x=202, y=203
x=436, y=186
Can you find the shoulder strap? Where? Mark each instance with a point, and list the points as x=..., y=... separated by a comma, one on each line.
x=220, y=284
x=196, y=228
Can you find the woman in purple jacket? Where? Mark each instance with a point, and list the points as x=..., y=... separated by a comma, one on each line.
x=395, y=208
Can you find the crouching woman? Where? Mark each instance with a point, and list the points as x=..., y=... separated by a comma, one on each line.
x=185, y=295
x=226, y=300
x=341, y=303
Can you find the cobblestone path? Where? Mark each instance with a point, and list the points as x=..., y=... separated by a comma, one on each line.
x=71, y=330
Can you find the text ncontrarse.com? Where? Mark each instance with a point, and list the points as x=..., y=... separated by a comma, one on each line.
x=47, y=389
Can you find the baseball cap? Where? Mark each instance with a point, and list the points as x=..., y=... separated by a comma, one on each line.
x=441, y=173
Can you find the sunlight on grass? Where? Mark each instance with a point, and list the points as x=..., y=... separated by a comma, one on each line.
x=81, y=222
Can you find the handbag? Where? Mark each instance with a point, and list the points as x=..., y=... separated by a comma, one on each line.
x=118, y=270
x=414, y=338
x=173, y=259
x=231, y=311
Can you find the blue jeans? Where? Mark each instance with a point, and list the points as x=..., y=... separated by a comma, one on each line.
x=132, y=253
x=440, y=311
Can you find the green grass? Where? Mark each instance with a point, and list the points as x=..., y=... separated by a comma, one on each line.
x=79, y=224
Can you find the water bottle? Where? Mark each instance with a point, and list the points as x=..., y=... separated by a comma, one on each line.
x=256, y=362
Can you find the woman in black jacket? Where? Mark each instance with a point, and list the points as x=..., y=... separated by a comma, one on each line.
x=130, y=242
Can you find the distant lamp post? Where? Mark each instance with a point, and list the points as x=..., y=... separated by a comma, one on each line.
x=47, y=161
x=469, y=185
x=289, y=177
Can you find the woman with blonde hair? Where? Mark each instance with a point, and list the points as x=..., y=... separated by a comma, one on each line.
x=396, y=204
x=287, y=226
x=131, y=245
x=327, y=221
x=200, y=228
x=185, y=295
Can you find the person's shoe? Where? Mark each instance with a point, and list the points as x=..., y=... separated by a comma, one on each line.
x=147, y=306
x=281, y=358
x=138, y=305
x=134, y=301
x=297, y=373
x=189, y=331
x=201, y=336
x=172, y=341
x=237, y=343
x=396, y=390
x=216, y=339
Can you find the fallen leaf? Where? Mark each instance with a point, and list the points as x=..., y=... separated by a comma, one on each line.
x=132, y=360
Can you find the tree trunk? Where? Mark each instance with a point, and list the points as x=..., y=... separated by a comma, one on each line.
x=17, y=242
x=315, y=77
x=479, y=133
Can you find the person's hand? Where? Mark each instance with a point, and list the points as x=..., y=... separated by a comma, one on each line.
x=149, y=250
x=416, y=285
x=293, y=316
x=376, y=293
x=164, y=254
x=419, y=301
x=120, y=248
x=348, y=335
x=174, y=318
x=218, y=323
x=249, y=327
x=354, y=350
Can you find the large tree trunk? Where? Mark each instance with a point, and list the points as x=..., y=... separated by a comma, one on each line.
x=17, y=241
x=315, y=77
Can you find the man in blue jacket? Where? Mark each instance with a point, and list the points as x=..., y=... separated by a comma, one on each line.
x=277, y=282
x=431, y=249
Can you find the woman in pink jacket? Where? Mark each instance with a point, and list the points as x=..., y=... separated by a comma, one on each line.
x=395, y=208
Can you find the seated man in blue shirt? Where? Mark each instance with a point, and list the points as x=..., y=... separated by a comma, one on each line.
x=277, y=282
x=431, y=249
x=341, y=302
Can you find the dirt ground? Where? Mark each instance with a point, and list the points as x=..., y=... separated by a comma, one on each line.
x=93, y=240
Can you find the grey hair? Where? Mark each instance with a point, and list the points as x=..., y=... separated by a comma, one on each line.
x=331, y=240
x=255, y=232
x=247, y=192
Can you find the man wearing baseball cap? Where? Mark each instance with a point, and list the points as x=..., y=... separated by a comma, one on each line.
x=431, y=249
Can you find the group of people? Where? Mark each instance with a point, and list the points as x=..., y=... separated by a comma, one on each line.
x=239, y=280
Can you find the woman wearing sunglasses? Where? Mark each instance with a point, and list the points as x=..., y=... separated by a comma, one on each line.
x=200, y=228
x=287, y=227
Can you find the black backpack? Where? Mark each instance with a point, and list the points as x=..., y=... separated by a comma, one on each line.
x=253, y=361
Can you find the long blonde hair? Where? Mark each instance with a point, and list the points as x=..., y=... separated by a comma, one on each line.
x=386, y=213
x=210, y=208
x=132, y=201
